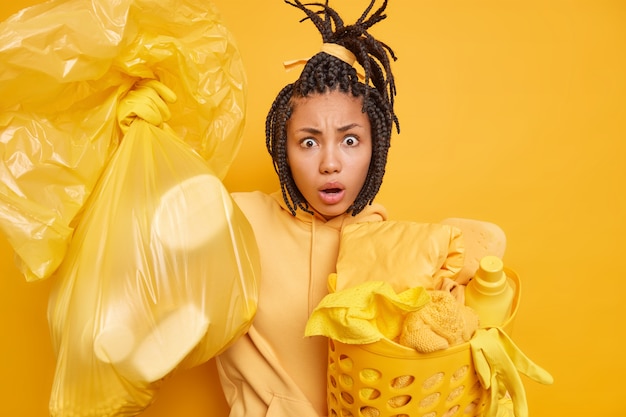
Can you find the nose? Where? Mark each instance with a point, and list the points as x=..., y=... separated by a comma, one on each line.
x=330, y=162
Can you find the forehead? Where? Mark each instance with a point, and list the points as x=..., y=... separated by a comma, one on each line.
x=332, y=104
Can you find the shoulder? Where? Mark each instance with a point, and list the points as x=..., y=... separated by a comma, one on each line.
x=372, y=213
x=252, y=198
x=257, y=205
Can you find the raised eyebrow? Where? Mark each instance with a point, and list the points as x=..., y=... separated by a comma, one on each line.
x=310, y=130
x=348, y=127
x=315, y=131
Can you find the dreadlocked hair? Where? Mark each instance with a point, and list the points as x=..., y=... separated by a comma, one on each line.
x=323, y=73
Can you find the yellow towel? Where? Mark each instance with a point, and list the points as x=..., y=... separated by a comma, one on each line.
x=365, y=313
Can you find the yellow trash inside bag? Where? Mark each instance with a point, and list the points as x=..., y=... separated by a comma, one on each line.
x=161, y=275
x=64, y=65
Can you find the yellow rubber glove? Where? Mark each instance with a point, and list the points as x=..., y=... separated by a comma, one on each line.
x=147, y=100
x=497, y=361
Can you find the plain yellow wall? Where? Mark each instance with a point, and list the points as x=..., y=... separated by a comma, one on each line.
x=511, y=111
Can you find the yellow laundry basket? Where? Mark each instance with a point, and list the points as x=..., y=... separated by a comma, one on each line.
x=385, y=379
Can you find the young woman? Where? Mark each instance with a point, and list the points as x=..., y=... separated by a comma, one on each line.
x=328, y=134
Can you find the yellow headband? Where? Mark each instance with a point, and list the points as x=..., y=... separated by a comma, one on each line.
x=340, y=52
x=332, y=49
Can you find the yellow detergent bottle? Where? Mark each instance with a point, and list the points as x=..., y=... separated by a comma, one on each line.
x=490, y=293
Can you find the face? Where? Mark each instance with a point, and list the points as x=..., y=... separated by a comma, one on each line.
x=329, y=148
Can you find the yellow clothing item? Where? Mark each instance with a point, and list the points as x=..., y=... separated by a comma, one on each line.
x=405, y=254
x=366, y=313
x=274, y=370
x=385, y=273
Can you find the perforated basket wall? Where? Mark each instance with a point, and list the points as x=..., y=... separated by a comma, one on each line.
x=384, y=379
x=388, y=380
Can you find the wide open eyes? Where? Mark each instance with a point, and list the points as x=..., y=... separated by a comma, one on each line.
x=350, y=141
x=308, y=143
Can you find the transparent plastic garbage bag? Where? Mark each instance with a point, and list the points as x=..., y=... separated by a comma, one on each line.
x=64, y=66
x=161, y=275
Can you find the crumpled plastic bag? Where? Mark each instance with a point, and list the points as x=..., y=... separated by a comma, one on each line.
x=64, y=65
x=161, y=275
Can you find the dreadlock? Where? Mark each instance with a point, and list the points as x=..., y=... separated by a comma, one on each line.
x=323, y=73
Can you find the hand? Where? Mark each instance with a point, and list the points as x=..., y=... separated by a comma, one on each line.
x=147, y=100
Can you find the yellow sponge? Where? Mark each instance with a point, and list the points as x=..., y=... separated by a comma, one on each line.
x=481, y=239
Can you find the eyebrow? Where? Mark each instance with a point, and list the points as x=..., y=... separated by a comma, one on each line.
x=313, y=130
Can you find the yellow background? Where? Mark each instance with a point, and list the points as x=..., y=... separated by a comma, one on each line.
x=511, y=111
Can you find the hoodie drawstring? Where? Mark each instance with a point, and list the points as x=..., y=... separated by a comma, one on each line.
x=311, y=298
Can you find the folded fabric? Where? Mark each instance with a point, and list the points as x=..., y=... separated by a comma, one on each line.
x=365, y=313
x=497, y=361
x=405, y=254
x=442, y=323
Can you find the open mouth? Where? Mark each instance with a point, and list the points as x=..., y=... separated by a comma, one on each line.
x=331, y=195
